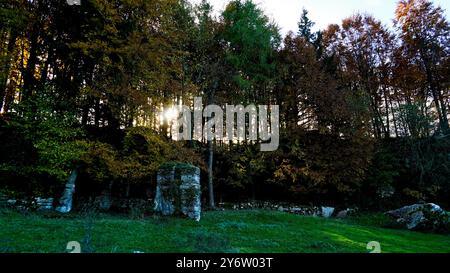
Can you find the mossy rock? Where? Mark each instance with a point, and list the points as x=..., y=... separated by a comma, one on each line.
x=178, y=190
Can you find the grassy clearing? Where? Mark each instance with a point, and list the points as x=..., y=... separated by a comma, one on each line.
x=219, y=231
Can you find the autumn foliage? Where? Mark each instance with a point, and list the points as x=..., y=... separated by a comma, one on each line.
x=364, y=106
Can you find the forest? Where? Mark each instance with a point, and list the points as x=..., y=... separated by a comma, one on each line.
x=364, y=107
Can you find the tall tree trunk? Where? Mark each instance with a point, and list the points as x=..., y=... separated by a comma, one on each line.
x=212, y=204
x=210, y=174
x=445, y=126
x=388, y=124
x=85, y=112
x=375, y=117
x=29, y=79
x=5, y=70
x=437, y=97
x=48, y=62
x=89, y=99
x=394, y=120
x=97, y=113
x=440, y=108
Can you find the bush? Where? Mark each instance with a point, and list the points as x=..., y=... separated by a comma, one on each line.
x=43, y=147
x=308, y=166
x=131, y=165
x=414, y=170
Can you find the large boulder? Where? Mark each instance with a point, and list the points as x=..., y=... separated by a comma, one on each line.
x=327, y=211
x=424, y=217
x=43, y=204
x=345, y=213
x=178, y=190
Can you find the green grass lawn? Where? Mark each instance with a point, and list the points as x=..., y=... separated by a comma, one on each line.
x=218, y=231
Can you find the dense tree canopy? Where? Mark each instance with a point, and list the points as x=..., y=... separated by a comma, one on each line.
x=364, y=106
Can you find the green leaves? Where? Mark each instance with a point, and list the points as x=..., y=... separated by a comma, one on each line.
x=54, y=134
x=137, y=161
x=251, y=41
